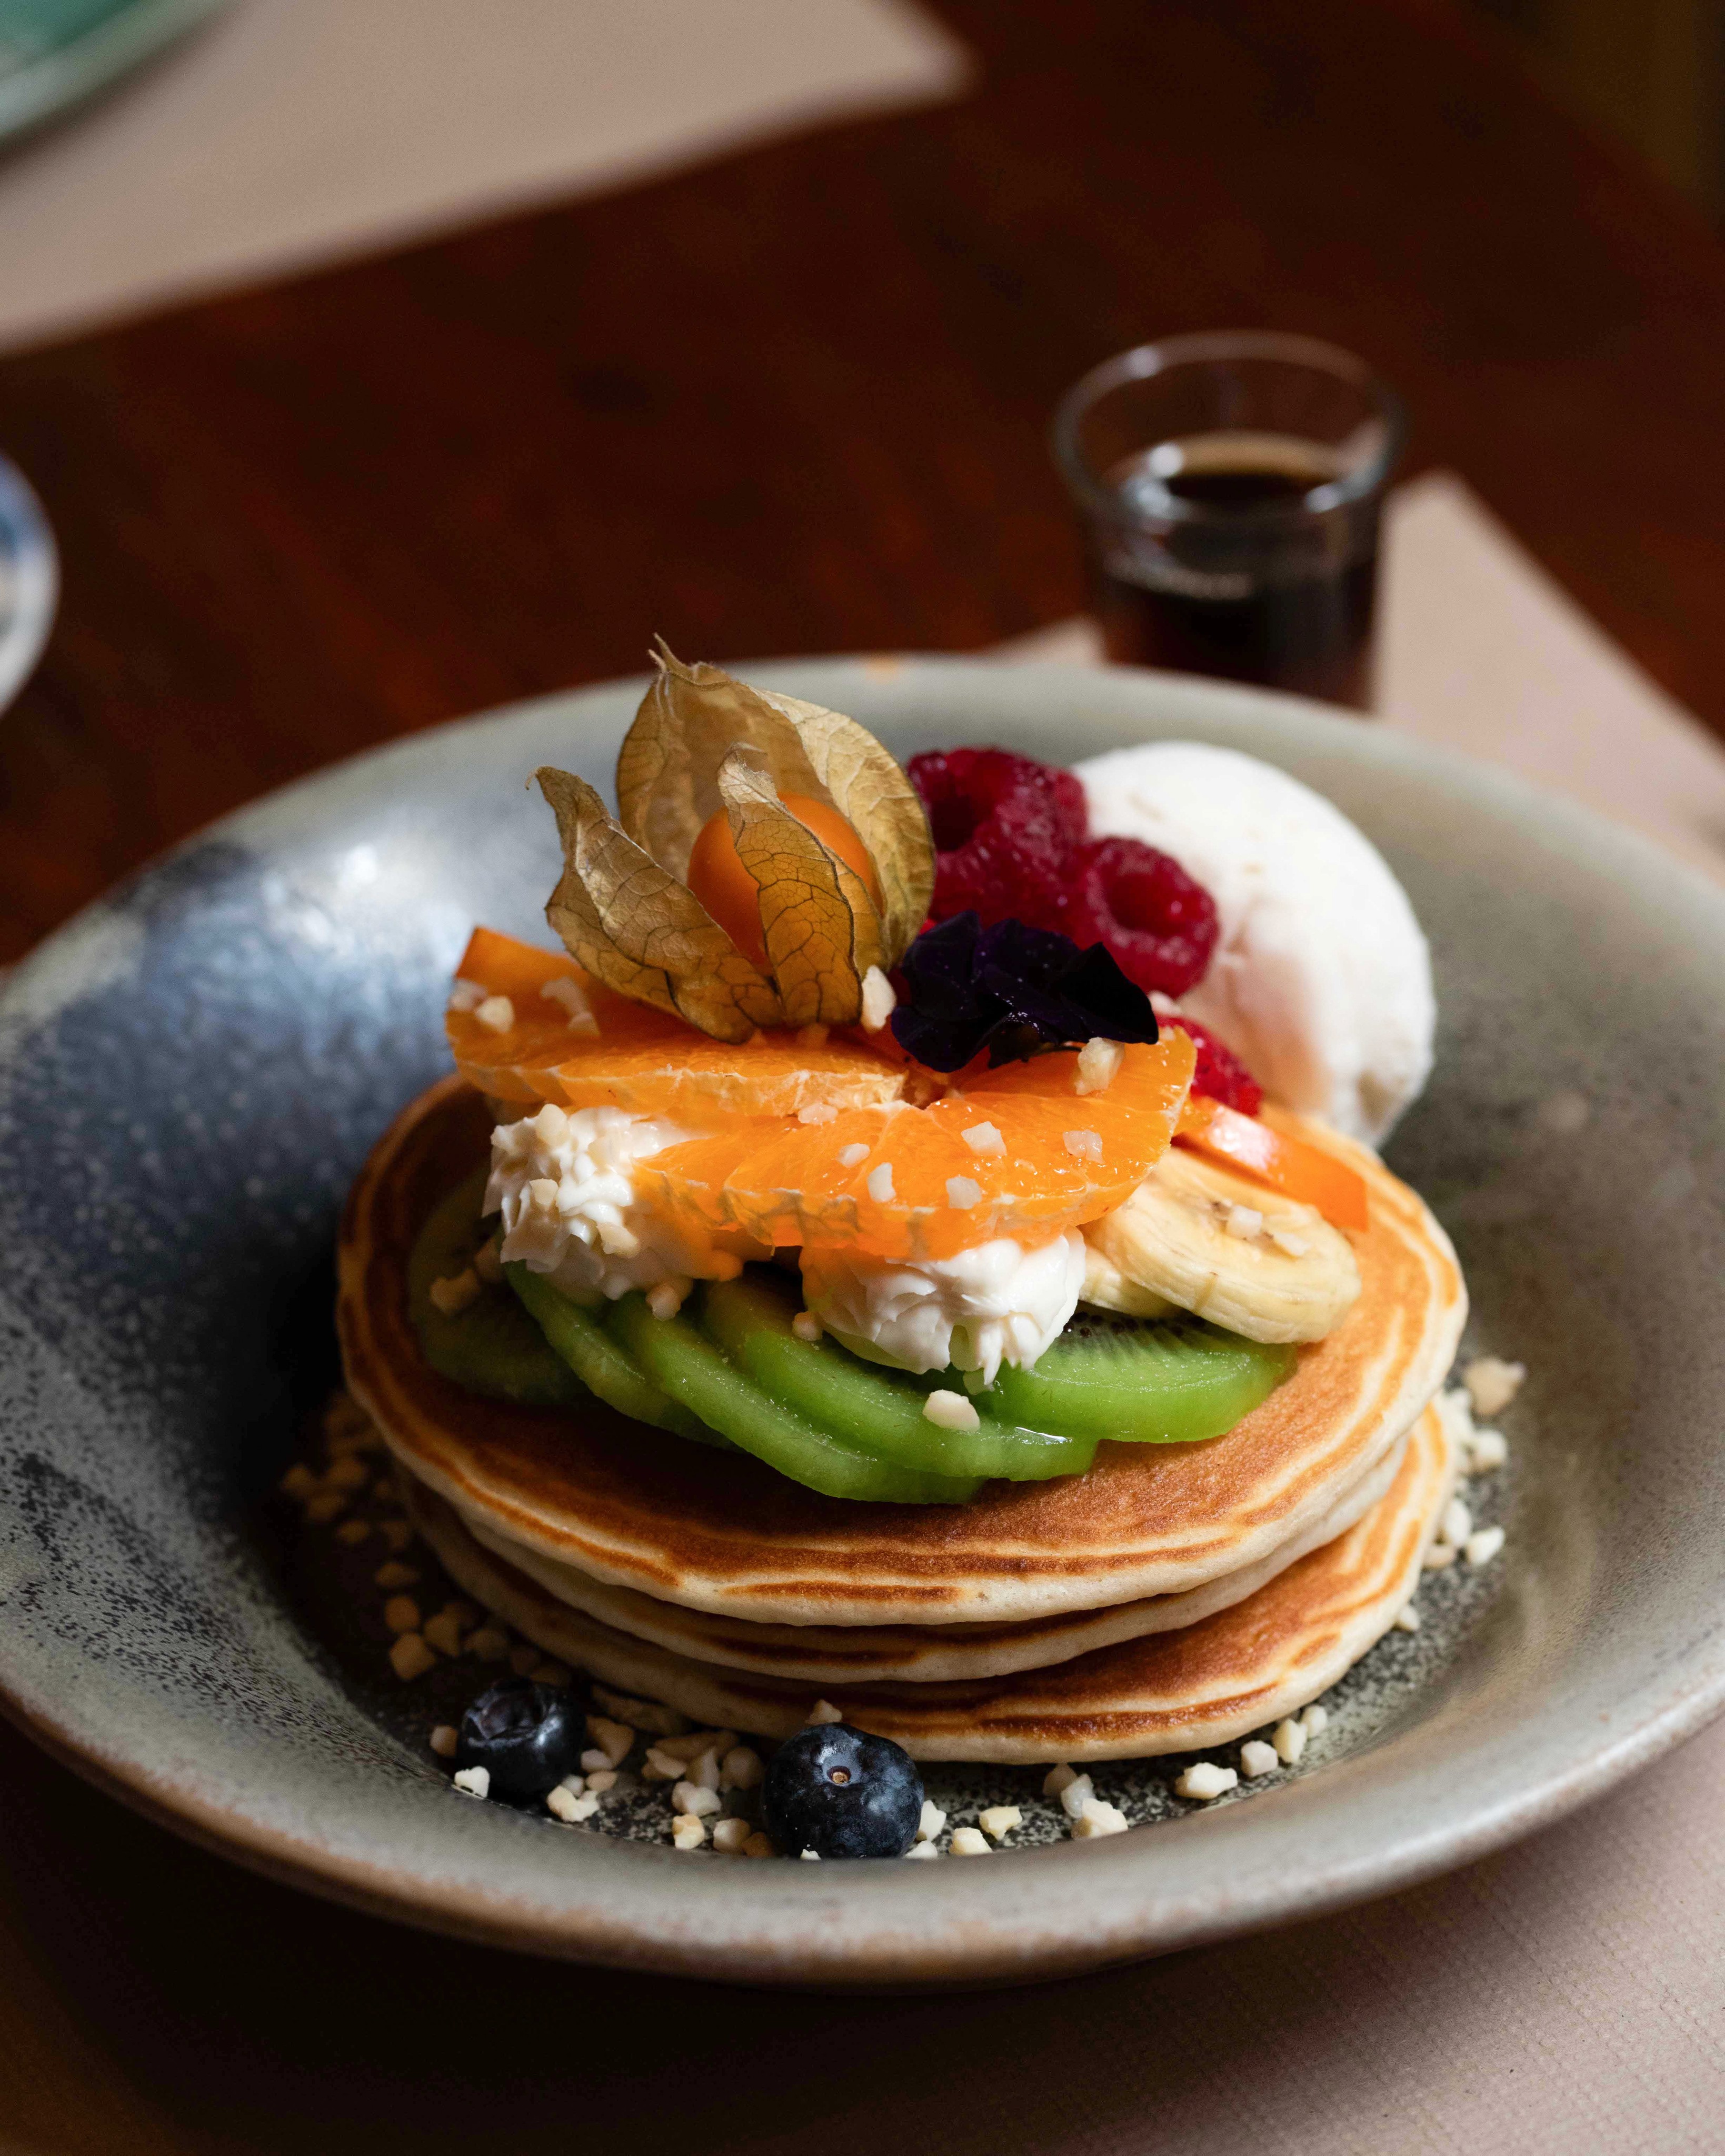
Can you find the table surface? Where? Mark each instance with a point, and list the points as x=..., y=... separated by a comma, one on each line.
x=796, y=401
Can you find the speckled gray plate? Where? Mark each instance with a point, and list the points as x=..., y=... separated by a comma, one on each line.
x=191, y=1072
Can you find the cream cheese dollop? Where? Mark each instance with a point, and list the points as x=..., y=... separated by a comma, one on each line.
x=997, y=1303
x=563, y=1185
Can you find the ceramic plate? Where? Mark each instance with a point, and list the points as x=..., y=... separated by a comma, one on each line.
x=191, y=1072
x=29, y=581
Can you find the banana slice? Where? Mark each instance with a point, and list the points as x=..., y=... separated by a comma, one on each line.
x=1224, y=1247
x=1105, y=1288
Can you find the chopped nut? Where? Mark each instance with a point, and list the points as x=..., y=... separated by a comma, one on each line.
x=687, y=1831
x=1058, y=1779
x=487, y=1262
x=1488, y=1449
x=465, y=995
x=806, y=1326
x=410, y=1657
x=932, y=1822
x=392, y=1577
x=985, y=1138
x=397, y=1534
x=496, y=1013
x=1204, y=1780
x=326, y=1506
x=574, y=1783
x=922, y=1849
x=1317, y=1720
x=691, y=1798
x=706, y=1771
x=569, y=992
x=852, y=1156
x=1244, y=1221
x=823, y=1711
x=348, y=1473
x=1098, y=1062
x=964, y=1193
x=444, y=1740
x=817, y=1112
x=692, y=1743
x=601, y=1781
x=970, y=1841
x=664, y=1299
x=1098, y=1818
x=948, y=1410
x=730, y=1835
x=443, y=1633
x=999, y=1821
x=1083, y=1145
x=809, y=1855
x=491, y=1643
x=474, y=1781
x=1439, y=1557
x=758, y=1844
x=658, y=1767
x=353, y=1532
x=1289, y=1738
x=1077, y=1793
x=741, y=1768
x=1257, y=1759
x=1406, y=1618
x=401, y=1614
x=614, y=1738
x=560, y=1803
x=879, y=1185
x=593, y=1759
x=298, y=1483
x=1483, y=1545
x=455, y=1292
x=880, y=999
x=1457, y=1523
x=585, y=1807
x=1492, y=1383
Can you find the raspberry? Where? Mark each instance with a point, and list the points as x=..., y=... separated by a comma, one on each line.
x=1220, y=1074
x=1005, y=830
x=1159, y=924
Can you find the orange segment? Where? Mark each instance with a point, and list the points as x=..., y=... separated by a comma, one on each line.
x=640, y=1058
x=789, y=1181
x=1277, y=1157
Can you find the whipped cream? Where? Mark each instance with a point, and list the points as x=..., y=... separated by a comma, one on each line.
x=997, y=1303
x=1322, y=979
x=562, y=1182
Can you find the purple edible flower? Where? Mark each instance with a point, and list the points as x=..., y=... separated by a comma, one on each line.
x=1011, y=989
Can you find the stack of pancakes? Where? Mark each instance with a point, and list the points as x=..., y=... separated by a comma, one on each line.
x=1174, y=1597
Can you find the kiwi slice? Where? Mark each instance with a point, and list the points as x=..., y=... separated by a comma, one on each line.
x=603, y=1367
x=492, y=1347
x=865, y=1404
x=702, y=1378
x=1144, y=1381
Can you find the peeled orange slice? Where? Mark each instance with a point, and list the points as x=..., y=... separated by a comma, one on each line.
x=1019, y=1152
x=595, y=1049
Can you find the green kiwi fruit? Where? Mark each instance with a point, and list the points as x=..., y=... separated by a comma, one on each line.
x=1143, y=1381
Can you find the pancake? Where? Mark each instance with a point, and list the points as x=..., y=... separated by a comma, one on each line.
x=1174, y=1692
x=920, y=1654
x=633, y=1507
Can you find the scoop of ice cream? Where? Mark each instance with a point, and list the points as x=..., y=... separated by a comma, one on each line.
x=1322, y=980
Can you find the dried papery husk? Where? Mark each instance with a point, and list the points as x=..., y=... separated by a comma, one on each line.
x=819, y=923
x=690, y=720
x=637, y=928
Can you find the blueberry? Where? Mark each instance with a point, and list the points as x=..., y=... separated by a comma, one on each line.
x=527, y=1735
x=841, y=1793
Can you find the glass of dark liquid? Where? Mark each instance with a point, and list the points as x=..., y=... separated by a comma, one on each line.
x=1230, y=487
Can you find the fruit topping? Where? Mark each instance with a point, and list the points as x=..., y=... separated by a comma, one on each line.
x=625, y=1055
x=1003, y=828
x=718, y=878
x=1292, y=1165
x=1010, y=990
x=526, y=1736
x=1158, y=922
x=1220, y=1075
x=833, y=1791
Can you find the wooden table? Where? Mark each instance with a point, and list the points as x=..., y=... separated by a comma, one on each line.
x=797, y=401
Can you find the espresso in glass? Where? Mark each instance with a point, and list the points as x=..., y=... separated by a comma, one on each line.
x=1230, y=488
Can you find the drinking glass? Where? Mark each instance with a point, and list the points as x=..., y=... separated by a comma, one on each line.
x=1229, y=487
